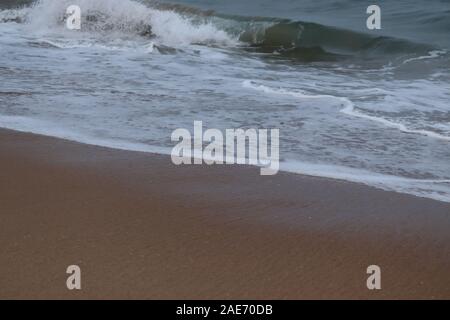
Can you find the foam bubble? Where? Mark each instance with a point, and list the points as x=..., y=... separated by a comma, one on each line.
x=127, y=16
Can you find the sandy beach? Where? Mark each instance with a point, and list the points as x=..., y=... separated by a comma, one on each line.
x=140, y=227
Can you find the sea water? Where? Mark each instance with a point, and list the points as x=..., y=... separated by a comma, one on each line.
x=370, y=106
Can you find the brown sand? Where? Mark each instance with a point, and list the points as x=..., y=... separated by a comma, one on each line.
x=140, y=227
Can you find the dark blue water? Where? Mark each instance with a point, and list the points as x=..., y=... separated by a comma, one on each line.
x=425, y=21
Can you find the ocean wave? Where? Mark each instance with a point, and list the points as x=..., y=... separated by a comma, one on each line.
x=304, y=40
x=286, y=36
x=347, y=107
x=173, y=25
x=124, y=16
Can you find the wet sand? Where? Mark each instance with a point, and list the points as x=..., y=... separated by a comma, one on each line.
x=141, y=227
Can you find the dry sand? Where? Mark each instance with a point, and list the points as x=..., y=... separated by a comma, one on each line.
x=140, y=227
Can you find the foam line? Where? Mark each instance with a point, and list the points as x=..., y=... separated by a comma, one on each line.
x=348, y=109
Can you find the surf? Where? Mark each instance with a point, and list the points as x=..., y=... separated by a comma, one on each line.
x=347, y=107
x=359, y=106
x=175, y=25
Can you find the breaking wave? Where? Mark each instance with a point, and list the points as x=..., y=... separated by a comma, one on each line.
x=124, y=16
x=174, y=25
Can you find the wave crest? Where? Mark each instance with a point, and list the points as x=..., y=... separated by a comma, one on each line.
x=126, y=16
x=175, y=25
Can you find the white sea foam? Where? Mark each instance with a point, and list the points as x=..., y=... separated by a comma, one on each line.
x=348, y=109
x=15, y=15
x=436, y=189
x=49, y=128
x=431, y=55
x=168, y=27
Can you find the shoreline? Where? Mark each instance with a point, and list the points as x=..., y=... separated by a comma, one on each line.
x=141, y=227
x=166, y=152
